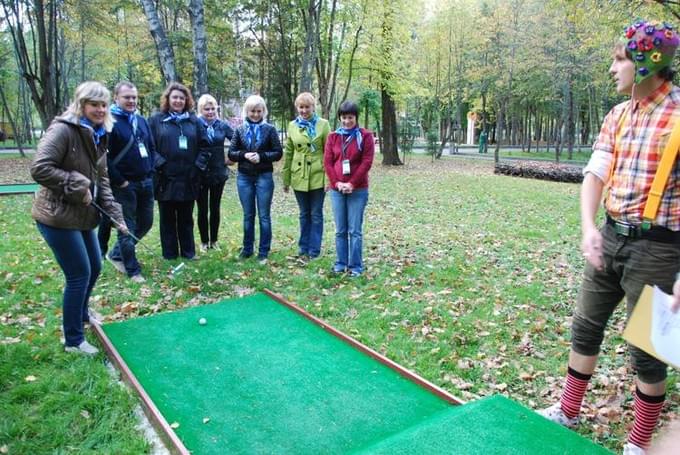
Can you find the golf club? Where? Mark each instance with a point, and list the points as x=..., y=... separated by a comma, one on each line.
x=139, y=241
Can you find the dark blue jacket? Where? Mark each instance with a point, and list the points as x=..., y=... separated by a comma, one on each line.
x=217, y=170
x=132, y=167
x=268, y=147
x=178, y=172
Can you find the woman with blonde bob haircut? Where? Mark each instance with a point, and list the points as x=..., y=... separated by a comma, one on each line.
x=255, y=147
x=215, y=176
x=254, y=101
x=70, y=166
x=303, y=171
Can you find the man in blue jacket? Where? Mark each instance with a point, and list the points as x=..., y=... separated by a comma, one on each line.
x=130, y=162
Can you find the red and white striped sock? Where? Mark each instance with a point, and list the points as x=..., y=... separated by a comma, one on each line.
x=647, y=410
x=574, y=390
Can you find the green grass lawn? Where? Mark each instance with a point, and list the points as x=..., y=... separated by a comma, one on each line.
x=470, y=282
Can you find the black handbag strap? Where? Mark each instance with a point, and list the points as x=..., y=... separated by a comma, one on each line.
x=122, y=154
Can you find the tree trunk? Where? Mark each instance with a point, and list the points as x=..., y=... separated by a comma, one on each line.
x=351, y=62
x=500, y=124
x=38, y=69
x=568, y=125
x=166, y=56
x=200, y=47
x=17, y=135
x=388, y=138
x=309, y=54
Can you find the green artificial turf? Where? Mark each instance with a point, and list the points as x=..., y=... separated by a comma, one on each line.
x=259, y=378
x=268, y=379
x=490, y=425
x=19, y=188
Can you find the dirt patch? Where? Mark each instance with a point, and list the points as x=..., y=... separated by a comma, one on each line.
x=15, y=170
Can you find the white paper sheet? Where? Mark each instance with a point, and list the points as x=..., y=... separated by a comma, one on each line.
x=665, y=327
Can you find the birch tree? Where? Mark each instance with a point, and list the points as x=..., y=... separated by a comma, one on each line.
x=166, y=56
x=200, y=47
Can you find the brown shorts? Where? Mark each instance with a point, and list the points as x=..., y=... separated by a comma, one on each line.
x=629, y=264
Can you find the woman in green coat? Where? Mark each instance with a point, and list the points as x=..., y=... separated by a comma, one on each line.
x=303, y=171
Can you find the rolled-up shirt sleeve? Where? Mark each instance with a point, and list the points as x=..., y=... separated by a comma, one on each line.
x=602, y=157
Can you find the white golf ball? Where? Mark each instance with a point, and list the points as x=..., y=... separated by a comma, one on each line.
x=203, y=321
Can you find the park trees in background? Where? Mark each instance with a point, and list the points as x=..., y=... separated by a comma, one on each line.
x=35, y=37
x=534, y=71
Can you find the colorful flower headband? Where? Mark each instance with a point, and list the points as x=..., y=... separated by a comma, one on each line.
x=652, y=45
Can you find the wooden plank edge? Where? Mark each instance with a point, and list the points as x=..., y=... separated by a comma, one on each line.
x=406, y=373
x=170, y=438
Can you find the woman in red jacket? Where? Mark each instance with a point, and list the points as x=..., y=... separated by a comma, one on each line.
x=348, y=157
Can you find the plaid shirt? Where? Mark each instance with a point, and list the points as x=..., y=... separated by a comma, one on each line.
x=639, y=131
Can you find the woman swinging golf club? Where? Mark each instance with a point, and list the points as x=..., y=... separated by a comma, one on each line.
x=70, y=166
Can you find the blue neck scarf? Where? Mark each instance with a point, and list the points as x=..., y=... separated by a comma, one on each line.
x=253, y=131
x=97, y=132
x=175, y=117
x=209, y=127
x=310, y=126
x=353, y=133
x=131, y=117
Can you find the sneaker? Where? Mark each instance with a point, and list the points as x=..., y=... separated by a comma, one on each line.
x=204, y=247
x=83, y=348
x=214, y=246
x=337, y=270
x=243, y=255
x=354, y=274
x=631, y=449
x=138, y=279
x=262, y=260
x=118, y=265
x=555, y=414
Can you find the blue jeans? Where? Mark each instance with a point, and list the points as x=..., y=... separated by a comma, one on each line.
x=311, y=221
x=104, y=234
x=255, y=193
x=77, y=253
x=348, y=211
x=136, y=199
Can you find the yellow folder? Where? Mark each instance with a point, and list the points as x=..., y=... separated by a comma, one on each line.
x=638, y=331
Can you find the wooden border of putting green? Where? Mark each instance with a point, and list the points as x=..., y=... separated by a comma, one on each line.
x=170, y=438
x=167, y=434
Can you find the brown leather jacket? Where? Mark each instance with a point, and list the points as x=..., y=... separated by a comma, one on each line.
x=67, y=165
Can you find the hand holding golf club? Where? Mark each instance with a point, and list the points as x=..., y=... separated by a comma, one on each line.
x=123, y=228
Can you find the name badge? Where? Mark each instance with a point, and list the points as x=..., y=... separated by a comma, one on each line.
x=142, y=150
x=182, y=142
x=345, y=167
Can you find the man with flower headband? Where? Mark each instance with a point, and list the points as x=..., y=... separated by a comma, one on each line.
x=630, y=250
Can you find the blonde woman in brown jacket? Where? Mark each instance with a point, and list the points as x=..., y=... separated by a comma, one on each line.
x=70, y=166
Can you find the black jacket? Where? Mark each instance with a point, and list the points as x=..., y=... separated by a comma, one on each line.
x=268, y=147
x=132, y=167
x=217, y=170
x=178, y=172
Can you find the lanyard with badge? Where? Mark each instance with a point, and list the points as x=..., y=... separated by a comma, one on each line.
x=183, y=143
x=140, y=142
x=345, y=161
